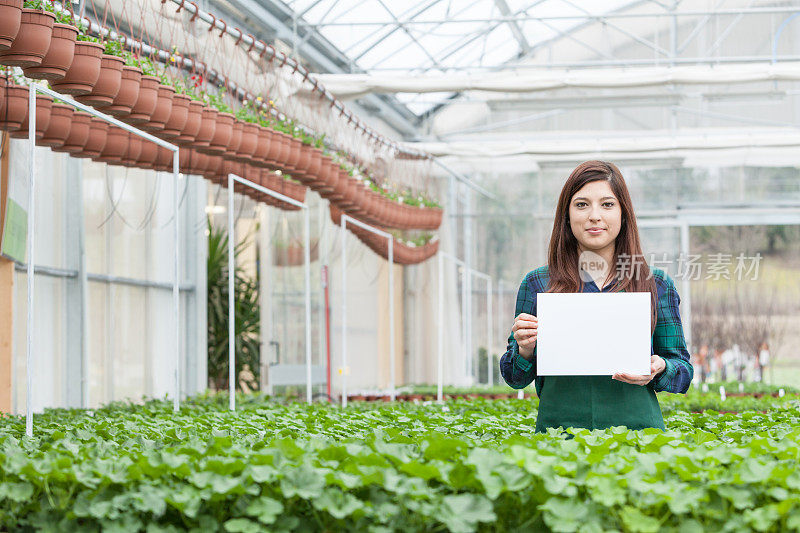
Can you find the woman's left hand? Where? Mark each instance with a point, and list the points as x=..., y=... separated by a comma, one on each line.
x=657, y=365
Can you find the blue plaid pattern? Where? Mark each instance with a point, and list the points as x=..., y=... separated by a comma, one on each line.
x=668, y=340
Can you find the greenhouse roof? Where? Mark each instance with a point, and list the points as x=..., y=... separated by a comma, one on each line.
x=439, y=36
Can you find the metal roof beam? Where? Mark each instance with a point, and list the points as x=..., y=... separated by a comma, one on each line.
x=516, y=31
x=400, y=118
x=525, y=18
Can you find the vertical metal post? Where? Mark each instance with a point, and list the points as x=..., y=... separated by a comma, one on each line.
x=392, y=392
x=489, y=348
x=307, y=260
x=344, y=312
x=440, y=323
x=175, y=281
x=31, y=242
x=231, y=306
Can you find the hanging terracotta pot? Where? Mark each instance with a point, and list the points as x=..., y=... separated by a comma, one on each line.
x=186, y=160
x=274, y=148
x=163, y=161
x=293, y=155
x=236, y=139
x=78, y=135
x=133, y=150
x=145, y=101
x=128, y=93
x=160, y=115
x=98, y=131
x=84, y=70
x=32, y=41
x=283, y=154
x=208, y=124
x=259, y=158
x=108, y=83
x=115, y=146
x=234, y=167
x=214, y=168
x=330, y=175
x=178, y=116
x=435, y=220
x=43, y=105
x=194, y=118
x=13, y=106
x=349, y=193
x=200, y=162
x=304, y=160
x=147, y=155
x=10, y=19
x=222, y=135
x=310, y=173
x=248, y=143
x=59, y=56
x=58, y=129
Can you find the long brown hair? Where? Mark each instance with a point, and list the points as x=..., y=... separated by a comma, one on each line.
x=562, y=255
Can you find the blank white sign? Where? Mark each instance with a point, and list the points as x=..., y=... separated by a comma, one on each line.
x=593, y=334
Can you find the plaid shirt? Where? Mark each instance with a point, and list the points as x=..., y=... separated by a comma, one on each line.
x=667, y=341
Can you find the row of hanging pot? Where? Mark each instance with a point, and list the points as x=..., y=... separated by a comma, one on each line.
x=48, y=50
x=402, y=253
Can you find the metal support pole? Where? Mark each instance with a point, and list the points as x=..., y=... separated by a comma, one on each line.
x=440, y=350
x=231, y=306
x=31, y=259
x=307, y=261
x=176, y=301
x=343, y=370
x=392, y=392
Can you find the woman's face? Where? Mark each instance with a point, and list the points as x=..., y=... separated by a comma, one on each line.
x=595, y=216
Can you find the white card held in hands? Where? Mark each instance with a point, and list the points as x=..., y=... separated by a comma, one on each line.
x=593, y=334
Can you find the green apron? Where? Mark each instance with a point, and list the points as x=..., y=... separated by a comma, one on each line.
x=596, y=402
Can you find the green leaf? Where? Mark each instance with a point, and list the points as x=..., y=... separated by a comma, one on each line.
x=302, y=481
x=638, y=522
x=564, y=515
x=462, y=512
x=265, y=509
x=242, y=525
x=16, y=491
x=337, y=503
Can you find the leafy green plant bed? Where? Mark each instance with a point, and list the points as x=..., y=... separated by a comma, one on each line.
x=463, y=466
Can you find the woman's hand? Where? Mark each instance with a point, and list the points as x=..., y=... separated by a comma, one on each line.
x=525, y=329
x=657, y=365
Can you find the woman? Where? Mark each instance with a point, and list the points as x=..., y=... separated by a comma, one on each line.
x=595, y=221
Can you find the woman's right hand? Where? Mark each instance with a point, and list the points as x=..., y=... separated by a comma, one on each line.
x=525, y=328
